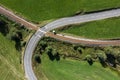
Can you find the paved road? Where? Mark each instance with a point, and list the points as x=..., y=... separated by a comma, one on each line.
x=28, y=55
x=55, y=24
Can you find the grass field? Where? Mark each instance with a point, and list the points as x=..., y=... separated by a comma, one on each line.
x=40, y=10
x=109, y=28
x=10, y=67
x=73, y=70
x=70, y=68
x=10, y=50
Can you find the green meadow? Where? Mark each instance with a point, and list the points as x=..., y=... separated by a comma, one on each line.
x=102, y=29
x=10, y=66
x=72, y=70
x=71, y=64
x=40, y=10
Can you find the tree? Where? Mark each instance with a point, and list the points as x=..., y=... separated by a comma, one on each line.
x=80, y=50
x=102, y=55
x=4, y=28
x=43, y=44
x=49, y=53
x=89, y=59
x=102, y=58
x=118, y=59
x=75, y=47
x=113, y=56
x=17, y=40
x=49, y=49
x=56, y=54
x=19, y=35
x=37, y=58
x=111, y=59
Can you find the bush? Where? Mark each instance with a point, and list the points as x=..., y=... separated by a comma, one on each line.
x=80, y=50
x=102, y=58
x=43, y=44
x=37, y=58
x=89, y=59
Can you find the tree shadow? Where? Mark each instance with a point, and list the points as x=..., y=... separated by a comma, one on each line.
x=90, y=62
x=111, y=60
x=57, y=57
x=17, y=38
x=37, y=59
x=4, y=29
x=102, y=62
x=51, y=56
x=54, y=57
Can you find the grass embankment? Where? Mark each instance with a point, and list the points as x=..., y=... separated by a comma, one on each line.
x=103, y=29
x=40, y=10
x=12, y=40
x=68, y=68
x=74, y=70
x=10, y=67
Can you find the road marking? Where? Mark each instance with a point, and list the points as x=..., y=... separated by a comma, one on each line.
x=42, y=31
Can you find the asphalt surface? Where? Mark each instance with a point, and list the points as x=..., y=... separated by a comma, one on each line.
x=30, y=75
x=59, y=23
x=28, y=55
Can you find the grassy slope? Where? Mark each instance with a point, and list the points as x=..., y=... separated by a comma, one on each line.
x=70, y=69
x=74, y=70
x=109, y=28
x=10, y=67
x=39, y=10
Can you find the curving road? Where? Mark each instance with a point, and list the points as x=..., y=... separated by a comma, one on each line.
x=28, y=55
x=55, y=24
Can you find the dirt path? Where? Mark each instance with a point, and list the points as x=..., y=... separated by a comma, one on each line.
x=55, y=24
x=32, y=26
x=83, y=40
x=10, y=15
